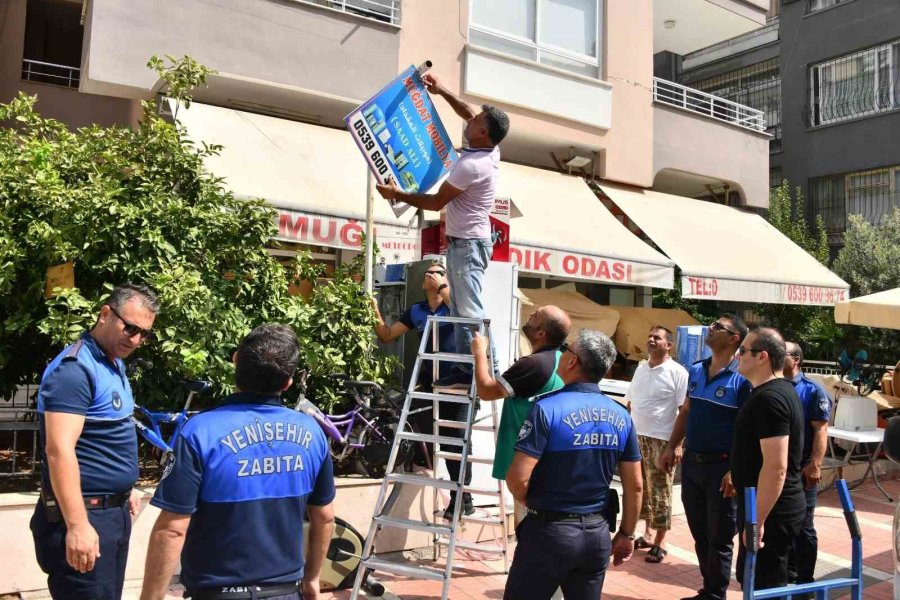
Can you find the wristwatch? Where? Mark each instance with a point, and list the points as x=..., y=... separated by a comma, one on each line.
x=442, y=286
x=625, y=535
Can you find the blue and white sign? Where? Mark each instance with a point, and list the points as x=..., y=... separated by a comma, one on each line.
x=401, y=136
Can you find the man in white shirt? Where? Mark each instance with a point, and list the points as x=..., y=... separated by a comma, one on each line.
x=657, y=391
x=468, y=193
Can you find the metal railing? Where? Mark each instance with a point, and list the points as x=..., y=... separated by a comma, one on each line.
x=19, y=434
x=817, y=5
x=708, y=105
x=387, y=11
x=42, y=72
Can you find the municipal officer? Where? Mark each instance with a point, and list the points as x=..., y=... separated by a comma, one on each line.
x=568, y=449
x=816, y=412
x=245, y=474
x=705, y=422
x=89, y=463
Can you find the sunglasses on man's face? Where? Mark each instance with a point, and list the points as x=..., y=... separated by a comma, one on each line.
x=441, y=273
x=130, y=329
x=753, y=351
x=719, y=327
x=564, y=347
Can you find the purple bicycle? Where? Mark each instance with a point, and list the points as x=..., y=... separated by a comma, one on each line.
x=362, y=436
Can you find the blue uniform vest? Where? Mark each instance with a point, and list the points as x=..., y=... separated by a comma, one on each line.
x=714, y=405
x=816, y=405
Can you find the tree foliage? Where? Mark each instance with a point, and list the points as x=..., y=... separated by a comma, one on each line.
x=870, y=263
x=812, y=326
x=135, y=205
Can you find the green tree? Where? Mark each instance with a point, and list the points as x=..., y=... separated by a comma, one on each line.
x=870, y=262
x=136, y=205
x=812, y=326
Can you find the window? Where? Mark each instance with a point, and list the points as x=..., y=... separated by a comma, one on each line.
x=559, y=33
x=860, y=84
x=814, y=5
x=52, y=48
x=872, y=194
x=380, y=10
x=775, y=177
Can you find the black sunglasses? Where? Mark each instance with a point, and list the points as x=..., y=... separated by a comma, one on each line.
x=719, y=327
x=435, y=272
x=131, y=330
x=564, y=347
x=742, y=350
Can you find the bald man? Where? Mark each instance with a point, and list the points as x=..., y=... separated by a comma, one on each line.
x=529, y=377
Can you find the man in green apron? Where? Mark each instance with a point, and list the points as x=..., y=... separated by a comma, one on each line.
x=527, y=378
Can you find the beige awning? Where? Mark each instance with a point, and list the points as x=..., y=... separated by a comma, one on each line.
x=875, y=310
x=583, y=312
x=727, y=254
x=565, y=231
x=315, y=176
x=635, y=323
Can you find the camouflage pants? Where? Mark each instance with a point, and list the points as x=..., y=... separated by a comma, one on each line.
x=656, y=501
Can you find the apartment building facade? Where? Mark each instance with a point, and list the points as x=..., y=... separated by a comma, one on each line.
x=575, y=76
x=828, y=71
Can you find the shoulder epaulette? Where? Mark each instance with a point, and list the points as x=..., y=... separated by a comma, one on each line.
x=74, y=349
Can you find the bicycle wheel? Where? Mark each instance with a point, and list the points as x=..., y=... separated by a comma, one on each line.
x=342, y=557
x=377, y=450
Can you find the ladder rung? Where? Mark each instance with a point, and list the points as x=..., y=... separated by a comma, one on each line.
x=431, y=439
x=481, y=520
x=454, y=398
x=447, y=357
x=423, y=481
x=482, y=460
x=462, y=425
x=471, y=546
x=483, y=491
x=402, y=569
x=460, y=320
x=425, y=526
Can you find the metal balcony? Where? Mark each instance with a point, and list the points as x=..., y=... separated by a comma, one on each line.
x=42, y=72
x=707, y=105
x=387, y=11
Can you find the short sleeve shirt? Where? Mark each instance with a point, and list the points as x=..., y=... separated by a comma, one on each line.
x=415, y=317
x=82, y=380
x=816, y=405
x=246, y=471
x=475, y=173
x=579, y=435
x=771, y=410
x=528, y=377
x=715, y=402
x=655, y=395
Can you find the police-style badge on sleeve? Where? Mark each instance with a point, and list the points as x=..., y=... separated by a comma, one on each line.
x=527, y=427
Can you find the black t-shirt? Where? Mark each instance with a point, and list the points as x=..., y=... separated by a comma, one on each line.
x=772, y=410
x=529, y=374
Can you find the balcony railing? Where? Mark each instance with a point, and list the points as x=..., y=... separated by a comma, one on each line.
x=387, y=11
x=42, y=72
x=707, y=105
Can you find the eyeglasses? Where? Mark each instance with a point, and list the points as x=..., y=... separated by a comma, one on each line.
x=131, y=330
x=441, y=273
x=742, y=350
x=719, y=327
x=564, y=347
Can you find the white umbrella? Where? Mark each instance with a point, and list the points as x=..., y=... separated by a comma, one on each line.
x=875, y=310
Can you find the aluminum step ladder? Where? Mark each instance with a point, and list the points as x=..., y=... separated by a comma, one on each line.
x=444, y=533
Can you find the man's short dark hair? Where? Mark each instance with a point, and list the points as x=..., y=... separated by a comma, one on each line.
x=738, y=325
x=555, y=328
x=266, y=359
x=670, y=337
x=497, y=123
x=797, y=351
x=769, y=340
x=121, y=294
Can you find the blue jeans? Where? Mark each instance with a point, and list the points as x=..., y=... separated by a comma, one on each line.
x=466, y=262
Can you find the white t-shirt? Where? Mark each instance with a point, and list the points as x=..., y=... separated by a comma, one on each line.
x=656, y=394
x=475, y=173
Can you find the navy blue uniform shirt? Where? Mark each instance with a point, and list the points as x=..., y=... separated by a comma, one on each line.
x=415, y=317
x=816, y=405
x=714, y=407
x=578, y=435
x=82, y=380
x=246, y=471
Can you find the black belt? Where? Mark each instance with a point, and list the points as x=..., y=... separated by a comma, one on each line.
x=550, y=515
x=111, y=501
x=243, y=592
x=707, y=457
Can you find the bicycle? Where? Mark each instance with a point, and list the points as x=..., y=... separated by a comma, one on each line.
x=367, y=431
x=151, y=431
x=865, y=376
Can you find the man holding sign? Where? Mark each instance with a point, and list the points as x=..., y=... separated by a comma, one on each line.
x=468, y=193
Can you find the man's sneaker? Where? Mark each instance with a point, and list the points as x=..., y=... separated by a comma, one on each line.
x=467, y=509
x=457, y=379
